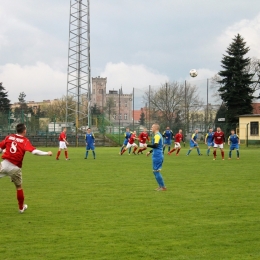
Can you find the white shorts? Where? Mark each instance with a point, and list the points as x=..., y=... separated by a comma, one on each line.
x=62, y=145
x=221, y=146
x=177, y=145
x=11, y=170
x=130, y=145
x=141, y=145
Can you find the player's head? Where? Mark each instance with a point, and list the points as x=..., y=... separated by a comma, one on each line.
x=64, y=129
x=155, y=128
x=145, y=129
x=180, y=131
x=134, y=132
x=196, y=131
x=127, y=129
x=167, y=128
x=218, y=129
x=21, y=129
x=88, y=130
x=232, y=131
x=210, y=130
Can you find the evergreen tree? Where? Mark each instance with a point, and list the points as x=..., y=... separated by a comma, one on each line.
x=4, y=101
x=235, y=90
x=142, y=118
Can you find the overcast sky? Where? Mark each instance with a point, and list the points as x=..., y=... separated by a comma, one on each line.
x=134, y=43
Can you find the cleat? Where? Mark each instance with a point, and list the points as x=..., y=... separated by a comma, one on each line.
x=134, y=153
x=85, y=158
x=214, y=159
x=238, y=158
x=129, y=154
x=229, y=158
x=57, y=158
x=157, y=189
x=177, y=154
x=200, y=154
x=67, y=159
x=162, y=189
x=119, y=153
x=169, y=153
x=25, y=207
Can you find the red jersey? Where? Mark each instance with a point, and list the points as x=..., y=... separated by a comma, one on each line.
x=62, y=136
x=16, y=146
x=178, y=138
x=131, y=140
x=219, y=137
x=143, y=137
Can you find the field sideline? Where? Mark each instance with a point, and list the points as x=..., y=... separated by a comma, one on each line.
x=107, y=208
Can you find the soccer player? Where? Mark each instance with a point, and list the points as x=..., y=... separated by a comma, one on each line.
x=219, y=141
x=143, y=137
x=90, y=143
x=193, y=143
x=127, y=136
x=177, y=143
x=157, y=158
x=209, y=140
x=131, y=143
x=234, y=142
x=63, y=144
x=14, y=147
x=168, y=137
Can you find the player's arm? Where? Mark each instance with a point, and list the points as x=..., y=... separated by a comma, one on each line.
x=229, y=140
x=164, y=135
x=172, y=134
x=206, y=137
x=39, y=152
x=192, y=138
x=2, y=146
x=238, y=139
x=64, y=139
x=93, y=136
x=155, y=145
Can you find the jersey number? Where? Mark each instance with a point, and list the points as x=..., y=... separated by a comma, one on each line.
x=13, y=148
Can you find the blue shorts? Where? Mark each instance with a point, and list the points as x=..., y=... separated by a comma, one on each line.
x=210, y=144
x=125, y=142
x=167, y=141
x=157, y=163
x=193, y=145
x=90, y=147
x=234, y=146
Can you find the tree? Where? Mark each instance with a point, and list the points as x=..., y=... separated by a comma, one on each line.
x=236, y=81
x=142, y=118
x=4, y=101
x=110, y=107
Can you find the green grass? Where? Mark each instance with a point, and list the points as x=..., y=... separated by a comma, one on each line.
x=107, y=208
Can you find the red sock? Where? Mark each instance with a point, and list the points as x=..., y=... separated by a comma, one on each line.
x=178, y=151
x=140, y=150
x=20, y=198
x=135, y=149
x=58, y=154
x=66, y=154
x=215, y=154
x=123, y=151
x=222, y=153
x=172, y=150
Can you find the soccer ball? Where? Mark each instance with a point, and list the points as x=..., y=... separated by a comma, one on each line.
x=193, y=73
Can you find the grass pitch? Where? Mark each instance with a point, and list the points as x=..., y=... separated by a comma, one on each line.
x=107, y=208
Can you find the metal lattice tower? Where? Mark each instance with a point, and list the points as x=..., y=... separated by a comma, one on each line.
x=78, y=75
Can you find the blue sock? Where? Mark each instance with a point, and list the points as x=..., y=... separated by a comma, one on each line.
x=86, y=154
x=208, y=151
x=163, y=149
x=169, y=148
x=159, y=179
x=94, y=154
x=122, y=148
x=237, y=153
x=130, y=150
x=188, y=152
x=198, y=151
x=229, y=154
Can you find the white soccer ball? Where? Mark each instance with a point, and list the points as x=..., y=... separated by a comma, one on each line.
x=193, y=73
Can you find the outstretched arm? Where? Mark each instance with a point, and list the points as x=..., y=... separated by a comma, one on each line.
x=39, y=152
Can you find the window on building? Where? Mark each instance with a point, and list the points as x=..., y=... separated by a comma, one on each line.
x=254, y=128
x=120, y=116
x=100, y=91
x=125, y=116
x=114, y=116
x=125, y=104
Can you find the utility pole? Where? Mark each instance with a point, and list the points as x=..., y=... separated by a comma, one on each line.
x=79, y=73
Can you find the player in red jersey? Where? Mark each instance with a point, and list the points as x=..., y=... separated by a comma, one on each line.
x=219, y=141
x=14, y=147
x=143, y=137
x=177, y=143
x=131, y=142
x=63, y=144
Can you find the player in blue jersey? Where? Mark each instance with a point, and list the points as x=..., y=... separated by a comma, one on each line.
x=234, y=142
x=193, y=143
x=127, y=136
x=168, y=137
x=209, y=140
x=90, y=143
x=157, y=158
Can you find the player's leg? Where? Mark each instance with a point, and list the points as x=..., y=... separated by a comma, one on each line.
x=178, y=149
x=93, y=152
x=122, y=148
x=164, y=147
x=198, y=150
x=66, y=153
x=215, y=152
x=222, y=151
x=87, y=149
x=157, y=166
x=135, y=148
x=189, y=151
x=127, y=147
x=230, y=152
x=237, y=148
x=169, y=147
x=59, y=151
x=208, y=151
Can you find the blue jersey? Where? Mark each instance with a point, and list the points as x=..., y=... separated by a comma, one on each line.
x=158, y=139
x=210, y=137
x=127, y=136
x=194, y=138
x=233, y=139
x=90, y=139
x=168, y=134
